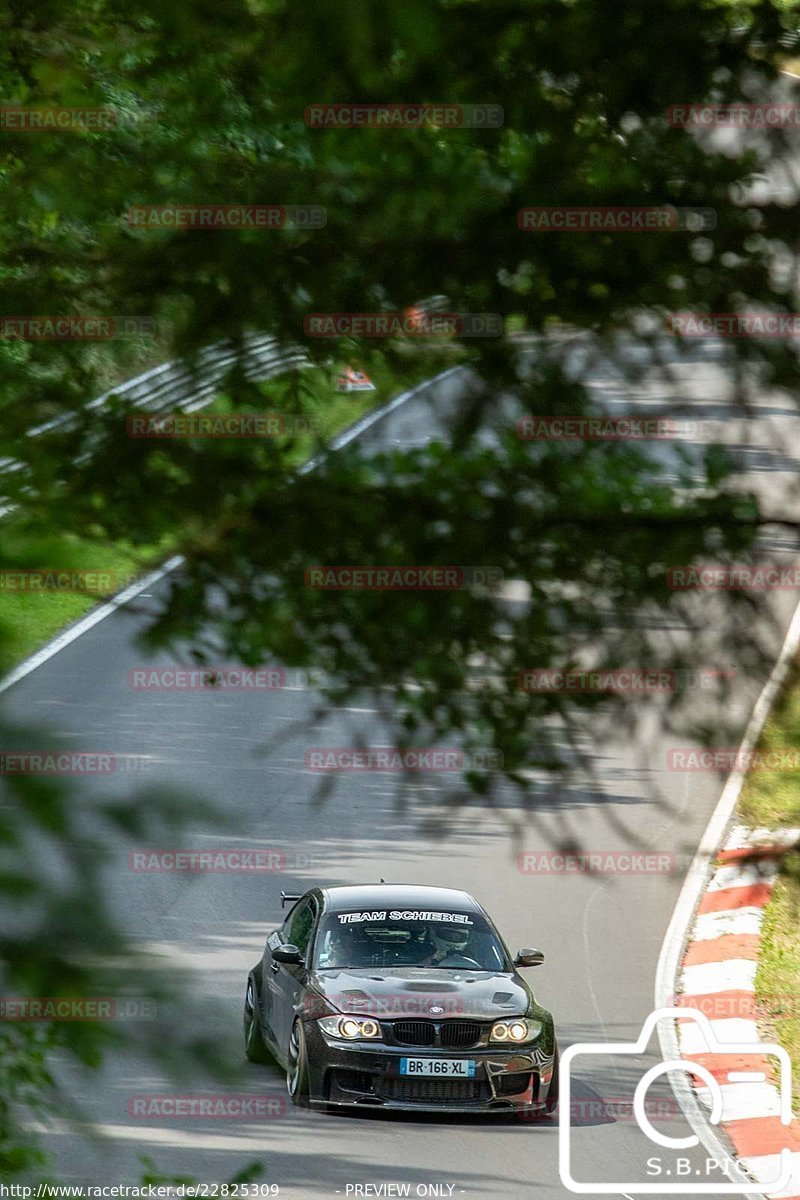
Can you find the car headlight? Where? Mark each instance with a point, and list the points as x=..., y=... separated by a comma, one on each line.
x=350, y=1028
x=515, y=1031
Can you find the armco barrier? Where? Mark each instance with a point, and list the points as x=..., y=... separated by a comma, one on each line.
x=189, y=386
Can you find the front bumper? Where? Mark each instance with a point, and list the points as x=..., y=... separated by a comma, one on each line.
x=367, y=1075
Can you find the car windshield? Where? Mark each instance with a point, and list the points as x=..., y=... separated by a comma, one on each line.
x=408, y=938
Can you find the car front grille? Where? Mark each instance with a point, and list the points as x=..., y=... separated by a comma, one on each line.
x=460, y=1033
x=415, y=1033
x=442, y=1091
x=449, y=1034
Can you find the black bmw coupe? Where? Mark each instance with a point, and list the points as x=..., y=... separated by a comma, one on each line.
x=401, y=997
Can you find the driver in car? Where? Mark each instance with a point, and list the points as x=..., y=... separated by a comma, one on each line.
x=347, y=947
x=446, y=941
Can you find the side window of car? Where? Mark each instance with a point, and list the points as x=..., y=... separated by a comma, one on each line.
x=297, y=929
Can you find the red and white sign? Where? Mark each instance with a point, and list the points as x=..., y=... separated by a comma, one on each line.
x=351, y=380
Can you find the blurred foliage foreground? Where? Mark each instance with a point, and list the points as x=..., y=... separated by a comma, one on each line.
x=208, y=104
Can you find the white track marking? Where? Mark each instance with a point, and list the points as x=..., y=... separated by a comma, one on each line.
x=735, y=921
x=732, y=975
x=736, y=875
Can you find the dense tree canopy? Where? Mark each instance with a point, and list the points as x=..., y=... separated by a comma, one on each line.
x=208, y=104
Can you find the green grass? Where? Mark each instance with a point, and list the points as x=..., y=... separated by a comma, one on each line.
x=772, y=799
x=28, y=619
x=778, y=976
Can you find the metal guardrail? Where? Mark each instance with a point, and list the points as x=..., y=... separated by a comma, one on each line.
x=179, y=385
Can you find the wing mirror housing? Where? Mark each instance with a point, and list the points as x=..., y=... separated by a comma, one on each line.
x=287, y=954
x=529, y=958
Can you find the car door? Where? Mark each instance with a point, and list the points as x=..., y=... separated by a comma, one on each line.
x=286, y=981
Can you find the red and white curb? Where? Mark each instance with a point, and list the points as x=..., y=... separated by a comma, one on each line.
x=717, y=978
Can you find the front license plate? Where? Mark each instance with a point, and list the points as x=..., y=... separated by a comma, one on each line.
x=459, y=1068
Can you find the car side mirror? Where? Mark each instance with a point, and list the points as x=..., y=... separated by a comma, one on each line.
x=288, y=954
x=529, y=958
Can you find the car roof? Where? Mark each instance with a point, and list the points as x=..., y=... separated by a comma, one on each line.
x=396, y=895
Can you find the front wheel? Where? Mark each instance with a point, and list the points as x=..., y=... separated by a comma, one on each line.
x=254, y=1046
x=551, y=1103
x=297, y=1067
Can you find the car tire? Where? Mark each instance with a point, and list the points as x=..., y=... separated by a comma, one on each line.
x=297, y=1067
x=254, y=1046
x=551, y=1103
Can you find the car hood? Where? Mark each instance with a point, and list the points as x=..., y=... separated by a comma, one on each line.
x=422, y=992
